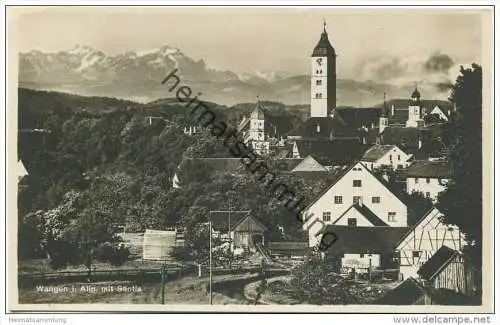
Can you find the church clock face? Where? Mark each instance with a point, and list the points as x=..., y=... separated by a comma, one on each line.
x=319, y=61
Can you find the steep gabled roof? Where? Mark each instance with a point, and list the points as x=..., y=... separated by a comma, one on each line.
x=376, y=152
x=257, y=113
x=346, y=170
x=364, y=240
x=332, y=153
x=309, y=164
x=365, y=212
x=434, y=265
x=224, y=221
x=404, y=138
x=429, y=169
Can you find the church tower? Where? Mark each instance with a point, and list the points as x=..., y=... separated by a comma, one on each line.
x=323, y=77
x=257, y=119
x=415, y=118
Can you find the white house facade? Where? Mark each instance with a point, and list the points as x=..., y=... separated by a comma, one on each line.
x=385, y=156
x=427, y=177
x=424, y=239
x=356, y=185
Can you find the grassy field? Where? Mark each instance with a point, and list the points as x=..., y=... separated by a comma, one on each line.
x=186, y=290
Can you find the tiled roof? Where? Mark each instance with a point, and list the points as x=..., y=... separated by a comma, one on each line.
x=403, y=197
x=430, y=269
x=404, y=138
x=367, y=213
x=223, y=221
x=257, y=113
x=357, y=117
x=324, y=128
x=430, y=169
x=365, y=240
x=309, y=164
x=376, y=152
x=332, y=153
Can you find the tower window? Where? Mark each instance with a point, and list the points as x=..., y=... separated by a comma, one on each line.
x=318, y=82
x=319, y=95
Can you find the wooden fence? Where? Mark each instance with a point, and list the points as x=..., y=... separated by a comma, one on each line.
x=135, y=275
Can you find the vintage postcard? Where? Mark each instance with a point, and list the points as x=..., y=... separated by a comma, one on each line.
x=249, y=159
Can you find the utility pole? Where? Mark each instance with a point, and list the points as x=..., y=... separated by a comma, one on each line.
x=210, y=260
x=163, y=278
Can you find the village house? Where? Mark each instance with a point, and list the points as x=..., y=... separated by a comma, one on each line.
x=386, y=156
x=427, y=177
x=355, y=197
x=423, y=240
x=364, y=248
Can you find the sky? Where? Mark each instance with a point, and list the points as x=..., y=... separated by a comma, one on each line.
x=254, y=39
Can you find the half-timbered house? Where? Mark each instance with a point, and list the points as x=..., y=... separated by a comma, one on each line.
x=424, y=239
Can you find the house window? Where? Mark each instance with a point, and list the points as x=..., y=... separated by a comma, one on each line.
x=356, y=199
x=428, y=195
x=399, y=157
x=356, y=183
x=416, y=180
x=352, y=222
x=376, y=199
x=338, y=199
x=416, y=253
x=428, y=180
x=391, y=217
x=318, y=82
x=327, y=216
x=390, y=157
x=361, y=255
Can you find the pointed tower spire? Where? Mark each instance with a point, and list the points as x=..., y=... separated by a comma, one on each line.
x=324, y=24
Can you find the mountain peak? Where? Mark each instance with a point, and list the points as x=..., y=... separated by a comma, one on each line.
x=82, y=50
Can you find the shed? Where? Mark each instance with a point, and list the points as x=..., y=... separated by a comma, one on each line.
x=243, y=229
x=446, y=269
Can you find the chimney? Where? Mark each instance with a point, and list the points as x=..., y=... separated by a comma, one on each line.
x=331, y=135
x=392, y=110
x=318, y=129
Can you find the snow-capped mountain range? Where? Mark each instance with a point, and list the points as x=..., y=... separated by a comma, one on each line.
x=137, y=75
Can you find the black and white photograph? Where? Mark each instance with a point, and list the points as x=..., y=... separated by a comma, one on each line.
x=333, y=159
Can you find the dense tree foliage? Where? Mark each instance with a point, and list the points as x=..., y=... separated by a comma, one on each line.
x=101, y=163
x=461, y=203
